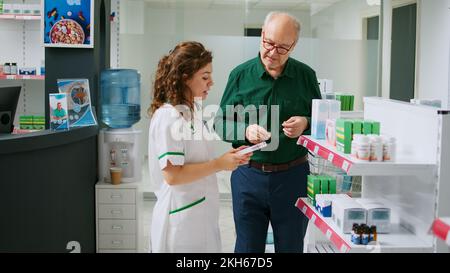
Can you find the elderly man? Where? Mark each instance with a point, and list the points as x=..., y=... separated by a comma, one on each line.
x=267, y=188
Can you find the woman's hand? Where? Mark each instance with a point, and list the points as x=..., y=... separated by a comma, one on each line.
x=231, y=160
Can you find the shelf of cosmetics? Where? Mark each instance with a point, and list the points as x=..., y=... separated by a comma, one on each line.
x=7, y=8
x=10, y=69
x=360, y=138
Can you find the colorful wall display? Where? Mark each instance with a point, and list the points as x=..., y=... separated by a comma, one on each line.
x=68, y=23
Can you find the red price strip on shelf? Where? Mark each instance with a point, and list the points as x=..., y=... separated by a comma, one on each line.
x=323, y=226
x=326, y=153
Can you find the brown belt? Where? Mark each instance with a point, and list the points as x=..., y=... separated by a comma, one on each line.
x=269, y=168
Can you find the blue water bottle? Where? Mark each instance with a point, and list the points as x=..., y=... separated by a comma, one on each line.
x=120, y=97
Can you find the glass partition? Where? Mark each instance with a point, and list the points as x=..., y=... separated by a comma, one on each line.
x=334, y=39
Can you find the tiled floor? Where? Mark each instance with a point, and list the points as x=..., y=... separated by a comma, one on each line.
x=225, y=222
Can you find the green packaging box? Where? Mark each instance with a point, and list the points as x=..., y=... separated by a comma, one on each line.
x=331, y=185
x=376, y=128
x=344, y=134
x=323, y=184
x=367, y=127
x=313, y=188
x=26, y=122
x=352, y=103
x=357, y=127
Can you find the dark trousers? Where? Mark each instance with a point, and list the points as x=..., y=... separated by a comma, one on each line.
x=260, y=197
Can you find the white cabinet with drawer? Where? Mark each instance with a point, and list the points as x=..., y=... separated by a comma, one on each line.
x=117, y=217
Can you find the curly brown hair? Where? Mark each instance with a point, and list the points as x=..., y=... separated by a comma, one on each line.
x=174, y=70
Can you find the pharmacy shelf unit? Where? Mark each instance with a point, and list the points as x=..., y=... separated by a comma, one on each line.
x=21, y=44
x=399, y=240
x=19, y=17
x=22, y=77
x=357, y=167
x=414, y=186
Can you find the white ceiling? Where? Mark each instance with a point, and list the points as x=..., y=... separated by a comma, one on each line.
x=306, y=5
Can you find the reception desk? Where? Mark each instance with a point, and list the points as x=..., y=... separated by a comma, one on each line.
x=47, y=186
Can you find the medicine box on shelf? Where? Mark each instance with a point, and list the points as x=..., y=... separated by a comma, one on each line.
x=377, y=214
x=346, y=212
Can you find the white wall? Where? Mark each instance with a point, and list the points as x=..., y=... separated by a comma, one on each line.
x=340, y=29
x=343, y=20
x=433, y=51
x=152, y=32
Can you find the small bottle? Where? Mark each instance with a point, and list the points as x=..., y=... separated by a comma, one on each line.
x=7, y=69
x=13, y=68
x=363, y=148
x=355, y=234
x=373, y=230
x=389, y=149
x=365, y=235
x=376, y=148
x=355, y=141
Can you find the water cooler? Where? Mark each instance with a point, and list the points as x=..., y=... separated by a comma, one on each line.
x=119, y=144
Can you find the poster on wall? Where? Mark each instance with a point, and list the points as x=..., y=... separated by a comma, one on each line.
x=68, y=23
x=78, y=100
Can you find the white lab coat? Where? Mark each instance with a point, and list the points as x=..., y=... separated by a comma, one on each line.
x=185, y=217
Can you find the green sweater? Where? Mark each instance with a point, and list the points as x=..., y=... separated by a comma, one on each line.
x=250, y=84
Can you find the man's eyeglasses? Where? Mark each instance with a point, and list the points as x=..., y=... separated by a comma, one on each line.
x=280, y=49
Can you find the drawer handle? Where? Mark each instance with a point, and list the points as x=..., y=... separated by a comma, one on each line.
x=116, y=211
x=117, y=227
x=117, y=242
x=116, y=196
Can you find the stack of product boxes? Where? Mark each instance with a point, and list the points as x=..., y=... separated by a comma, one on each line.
x=347, y=101
x=32, y=122
x=345, y=129
x=359, y=217
x=321, y=185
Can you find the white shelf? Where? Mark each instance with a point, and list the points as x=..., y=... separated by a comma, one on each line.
x=399, y=240
x=22, y=77
x=19, y=17
x=355, y=167
x=441, y=229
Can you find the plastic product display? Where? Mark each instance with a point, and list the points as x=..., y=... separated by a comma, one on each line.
x=322, y=110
